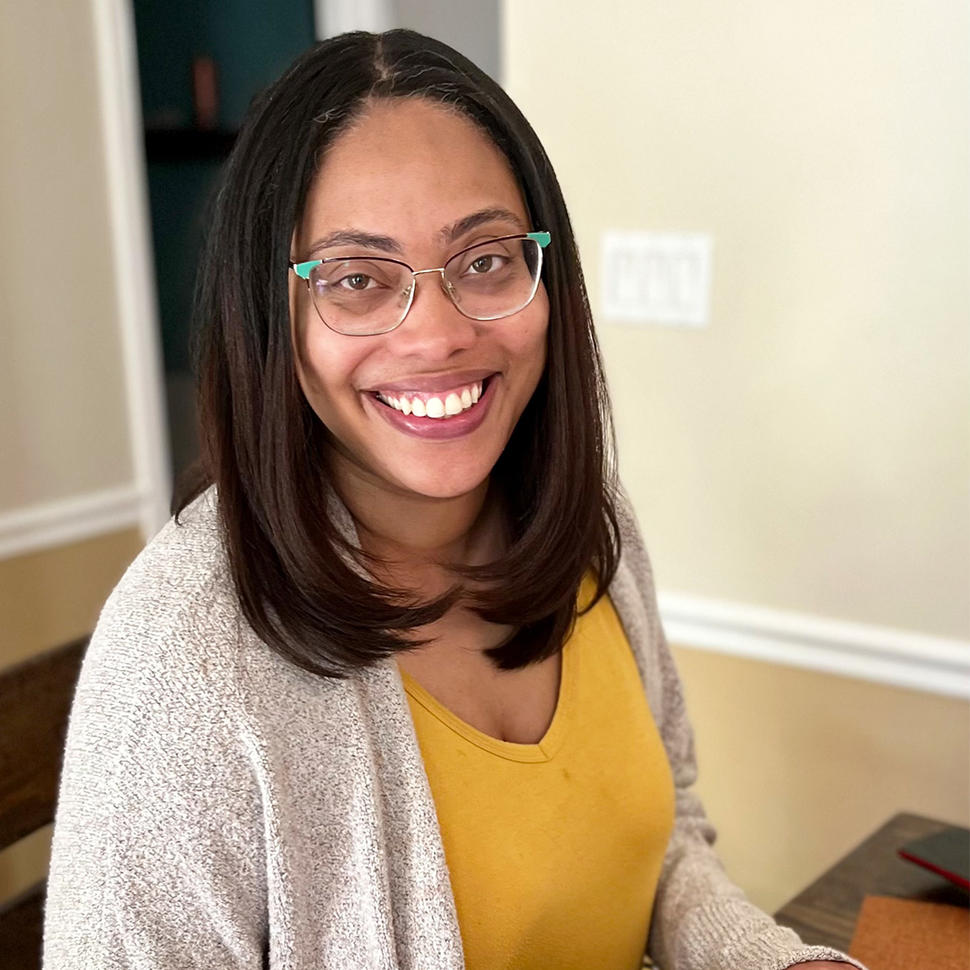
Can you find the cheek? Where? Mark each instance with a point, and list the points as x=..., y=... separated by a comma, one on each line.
x=319, y=375
x=327, y=364
x=309, y=358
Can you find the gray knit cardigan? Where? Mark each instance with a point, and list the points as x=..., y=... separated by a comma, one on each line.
x=221, y=808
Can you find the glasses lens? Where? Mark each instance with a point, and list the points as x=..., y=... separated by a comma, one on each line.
x=496, y=278
x=360, y=296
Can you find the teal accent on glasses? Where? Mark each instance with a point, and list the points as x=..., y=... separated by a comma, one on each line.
x=303, y=269
x=542, y=238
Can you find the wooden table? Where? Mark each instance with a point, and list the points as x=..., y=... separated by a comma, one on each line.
x=825, y=912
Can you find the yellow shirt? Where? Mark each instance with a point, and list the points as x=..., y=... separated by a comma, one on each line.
x=554, y=849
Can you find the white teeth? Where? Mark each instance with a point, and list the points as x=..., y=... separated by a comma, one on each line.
x=434, y=407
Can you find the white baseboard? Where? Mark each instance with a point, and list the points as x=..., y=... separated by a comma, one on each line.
x=876, y=654
x=56, y=523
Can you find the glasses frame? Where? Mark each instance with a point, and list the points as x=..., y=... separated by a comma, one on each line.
x=303, y=270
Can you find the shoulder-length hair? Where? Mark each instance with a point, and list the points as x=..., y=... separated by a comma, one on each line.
x=301, y=584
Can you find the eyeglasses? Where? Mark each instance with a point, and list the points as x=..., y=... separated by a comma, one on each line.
x=367, y=295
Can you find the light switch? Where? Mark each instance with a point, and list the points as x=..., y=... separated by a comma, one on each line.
x=662, y=278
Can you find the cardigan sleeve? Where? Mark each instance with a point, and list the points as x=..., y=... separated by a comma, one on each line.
x=157, y=861
x=701, y=919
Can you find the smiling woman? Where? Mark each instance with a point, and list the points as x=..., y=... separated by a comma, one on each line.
x=386, y=693
x=438, y=347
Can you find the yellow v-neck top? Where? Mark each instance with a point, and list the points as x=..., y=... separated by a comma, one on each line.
x=554, y=849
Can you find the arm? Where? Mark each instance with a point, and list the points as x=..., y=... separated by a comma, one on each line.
x=701, y=920
x=157, y=858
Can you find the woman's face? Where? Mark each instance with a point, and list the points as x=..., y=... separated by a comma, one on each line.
x=411, y=171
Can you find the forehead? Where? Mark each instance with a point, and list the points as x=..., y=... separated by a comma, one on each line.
x=407, y=169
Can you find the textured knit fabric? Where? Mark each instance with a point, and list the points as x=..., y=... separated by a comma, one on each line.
x=544, y=840
x=221, y=808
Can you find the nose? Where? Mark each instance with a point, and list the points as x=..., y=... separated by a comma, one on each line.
x=433, y=328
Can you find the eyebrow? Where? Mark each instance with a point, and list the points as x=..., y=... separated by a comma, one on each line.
x=482, y=217
x=369, y=240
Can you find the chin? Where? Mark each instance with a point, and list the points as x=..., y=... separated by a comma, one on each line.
x=452, y=484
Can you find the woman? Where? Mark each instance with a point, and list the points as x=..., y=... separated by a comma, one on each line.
x=343, y=713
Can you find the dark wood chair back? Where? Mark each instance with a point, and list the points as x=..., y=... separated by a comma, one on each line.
x=35, y=701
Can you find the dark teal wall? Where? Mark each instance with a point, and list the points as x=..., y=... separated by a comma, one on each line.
x=178, y=194
x=250, y=41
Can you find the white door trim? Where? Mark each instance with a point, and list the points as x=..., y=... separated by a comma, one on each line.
x=338, y=16
x=129, y=222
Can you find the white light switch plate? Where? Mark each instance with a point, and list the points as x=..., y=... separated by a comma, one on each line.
x=651, y=277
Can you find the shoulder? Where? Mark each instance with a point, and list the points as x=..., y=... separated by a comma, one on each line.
x=172, y=646
x=178, y=582
x=177, y=693
x=183, y=571
x=170, y=631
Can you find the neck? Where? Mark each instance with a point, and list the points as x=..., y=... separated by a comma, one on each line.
x=417, y=536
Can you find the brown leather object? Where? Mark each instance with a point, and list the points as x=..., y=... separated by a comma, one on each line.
x=35, y=699
x=903, y=934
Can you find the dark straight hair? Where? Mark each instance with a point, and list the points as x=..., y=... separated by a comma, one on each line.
x=302, y=584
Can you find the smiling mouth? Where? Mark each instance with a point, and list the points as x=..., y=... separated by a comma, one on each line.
x=440, y=405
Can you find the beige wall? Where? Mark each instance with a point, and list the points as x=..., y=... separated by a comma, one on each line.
x=48, y=598
x=809, y=450
x=63, y=430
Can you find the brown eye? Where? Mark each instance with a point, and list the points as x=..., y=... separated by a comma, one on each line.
x=356, y=282
x=483, y=264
